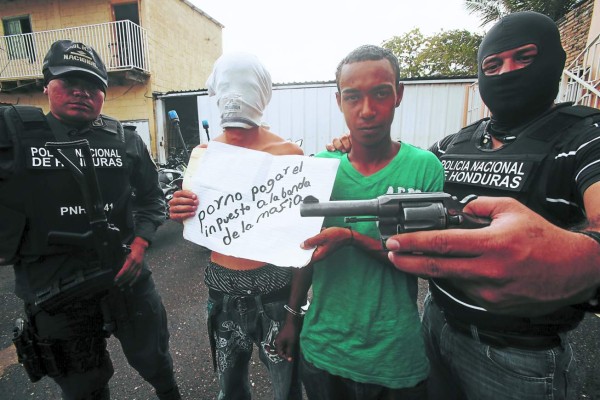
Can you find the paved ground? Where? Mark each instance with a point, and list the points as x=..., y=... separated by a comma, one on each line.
x=178, y=268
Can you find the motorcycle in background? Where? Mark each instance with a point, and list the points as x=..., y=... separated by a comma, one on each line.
x=171, y=173
x=170, y=176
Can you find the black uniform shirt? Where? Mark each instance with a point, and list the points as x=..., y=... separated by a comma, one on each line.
x=148, y=204
x=572, y=167
x=148, y=211
x=577, y=162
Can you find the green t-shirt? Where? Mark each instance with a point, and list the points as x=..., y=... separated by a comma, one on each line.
x=363, y=322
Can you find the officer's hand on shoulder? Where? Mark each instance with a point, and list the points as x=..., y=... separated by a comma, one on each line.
x=342, y=143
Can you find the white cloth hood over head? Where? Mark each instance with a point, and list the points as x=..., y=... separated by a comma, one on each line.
x=242, y=86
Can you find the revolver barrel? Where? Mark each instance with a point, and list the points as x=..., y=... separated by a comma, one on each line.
x=399, y=213
x=311, y=207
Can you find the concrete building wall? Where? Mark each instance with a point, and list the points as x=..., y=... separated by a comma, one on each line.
x=55, y=14
x=128, y=102
x=184, y=44
x=132, y=101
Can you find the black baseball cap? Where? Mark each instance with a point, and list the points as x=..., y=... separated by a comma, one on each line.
x=67, y=57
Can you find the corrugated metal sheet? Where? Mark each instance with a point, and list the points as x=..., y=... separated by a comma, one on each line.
x=429, y=111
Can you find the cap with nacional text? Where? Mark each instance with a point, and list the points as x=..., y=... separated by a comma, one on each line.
x=65, y=57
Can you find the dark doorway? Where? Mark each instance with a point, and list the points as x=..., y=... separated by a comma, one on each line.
x=125, y=12
x=127, y=36
x=187, y=111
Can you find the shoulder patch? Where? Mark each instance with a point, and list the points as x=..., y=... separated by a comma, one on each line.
x=107, y=124
x=98, y=123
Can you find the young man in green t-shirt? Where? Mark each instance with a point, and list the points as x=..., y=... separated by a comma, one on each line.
x=361, y=337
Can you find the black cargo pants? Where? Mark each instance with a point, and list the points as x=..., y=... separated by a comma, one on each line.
x=140, y=324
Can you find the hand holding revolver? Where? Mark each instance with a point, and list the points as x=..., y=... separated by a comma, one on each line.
x=398, y=213
x=521, y=264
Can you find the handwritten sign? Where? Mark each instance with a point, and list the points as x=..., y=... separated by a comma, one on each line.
x=250, y=203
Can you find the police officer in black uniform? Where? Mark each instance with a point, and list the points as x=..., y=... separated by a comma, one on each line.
x=38, y=195
x=500, y=310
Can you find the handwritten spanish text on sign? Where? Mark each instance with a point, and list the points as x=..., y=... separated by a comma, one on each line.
x=250, y=203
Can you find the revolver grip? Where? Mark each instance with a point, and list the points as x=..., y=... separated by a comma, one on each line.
x=473, y=222
x=457, y=218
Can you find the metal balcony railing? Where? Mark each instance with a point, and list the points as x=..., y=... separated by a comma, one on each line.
x=122, y=45
x=581, y=79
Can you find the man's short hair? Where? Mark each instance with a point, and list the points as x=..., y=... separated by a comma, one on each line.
x=368, y=52
x=74, y=58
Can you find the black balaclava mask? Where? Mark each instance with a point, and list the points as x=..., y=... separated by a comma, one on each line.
x=518, y=96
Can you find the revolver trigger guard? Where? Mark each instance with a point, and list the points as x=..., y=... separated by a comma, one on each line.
x=383, y=246
x=467, y=199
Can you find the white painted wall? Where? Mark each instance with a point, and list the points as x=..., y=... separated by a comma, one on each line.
x=429, y=111
x=142, y=128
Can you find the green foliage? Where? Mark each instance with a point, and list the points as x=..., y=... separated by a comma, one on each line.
x=447, y=53
x=493, y=10
x=407, y=48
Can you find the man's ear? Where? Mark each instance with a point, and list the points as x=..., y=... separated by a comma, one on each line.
x=399, y=93
x=338, y=98
x=46, y=89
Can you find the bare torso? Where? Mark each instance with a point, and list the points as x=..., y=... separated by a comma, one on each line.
x=259, y=139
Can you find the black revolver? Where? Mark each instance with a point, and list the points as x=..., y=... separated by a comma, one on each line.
x=103, y=238
x=399, y=213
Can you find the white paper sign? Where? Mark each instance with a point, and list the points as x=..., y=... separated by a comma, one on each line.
x=250, y=203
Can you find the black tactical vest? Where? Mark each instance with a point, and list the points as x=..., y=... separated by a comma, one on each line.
x=519, y=170
x=40, y=195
